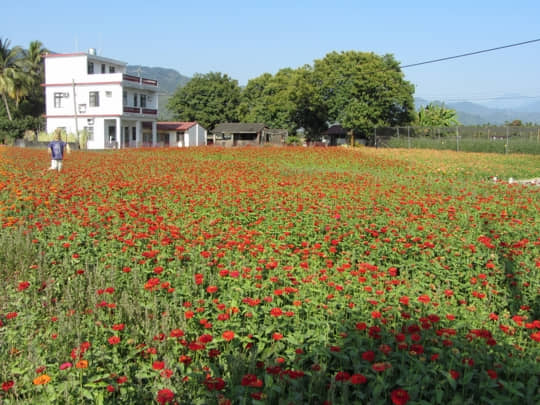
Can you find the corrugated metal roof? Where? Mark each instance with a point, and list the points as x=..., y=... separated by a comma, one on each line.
x=238, y=127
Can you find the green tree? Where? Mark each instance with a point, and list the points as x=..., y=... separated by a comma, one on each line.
x=33, y=67
x=435, y=115
x=12, y=78
x=208, y=99
x=363, y=90
x=286, y=100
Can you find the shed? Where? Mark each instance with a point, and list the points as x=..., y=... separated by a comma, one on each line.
x=179, y=134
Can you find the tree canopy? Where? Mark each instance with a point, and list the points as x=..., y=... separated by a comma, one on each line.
x=208, y=99
x=286, y=100
x=362, y=90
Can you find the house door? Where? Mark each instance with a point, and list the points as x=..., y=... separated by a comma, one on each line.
x=126, y=136
x=112, y=135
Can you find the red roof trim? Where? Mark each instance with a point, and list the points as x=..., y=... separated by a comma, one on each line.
x=82, y=115
x=60, y=55
x=77, y=84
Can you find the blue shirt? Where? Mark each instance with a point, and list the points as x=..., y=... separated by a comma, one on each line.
x=57, y=149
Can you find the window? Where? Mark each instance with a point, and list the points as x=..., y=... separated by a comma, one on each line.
x=125, y=98
x=133, y=133
x=90, y=68
x=135, y=100
x=143, y=100
x=103, y=68
x=111, y=69
x=94, y=99
x=89, y=133
x=58, y=100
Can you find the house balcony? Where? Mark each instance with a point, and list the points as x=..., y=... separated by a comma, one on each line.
x=139, y=110
x=139, y=80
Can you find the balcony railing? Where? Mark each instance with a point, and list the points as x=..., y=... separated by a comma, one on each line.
x=140, y=80
x=137, y=110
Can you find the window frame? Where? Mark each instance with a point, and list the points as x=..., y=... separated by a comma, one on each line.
x=93, y=99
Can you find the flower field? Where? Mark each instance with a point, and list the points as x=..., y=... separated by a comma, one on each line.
x=269, y=276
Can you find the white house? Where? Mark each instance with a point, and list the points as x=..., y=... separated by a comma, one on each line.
x=84, y=91
x=178, y=134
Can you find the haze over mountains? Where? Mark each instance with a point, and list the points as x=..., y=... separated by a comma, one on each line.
x=495, y=111
x=478, y=114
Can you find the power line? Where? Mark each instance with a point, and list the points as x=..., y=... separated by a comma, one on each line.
x=470, y=53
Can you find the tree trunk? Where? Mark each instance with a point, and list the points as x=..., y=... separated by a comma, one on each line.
x=7, y=106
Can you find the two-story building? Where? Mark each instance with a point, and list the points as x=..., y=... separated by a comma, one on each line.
x=87, y=92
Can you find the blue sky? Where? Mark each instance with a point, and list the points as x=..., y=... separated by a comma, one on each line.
x=245, y=39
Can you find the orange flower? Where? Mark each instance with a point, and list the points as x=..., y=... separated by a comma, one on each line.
x=42, y=379
x=82, y=364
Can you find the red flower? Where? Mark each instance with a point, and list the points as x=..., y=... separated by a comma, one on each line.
x=342, y=376
x=23, y=285
x=177, y=333
x=361, y=326
x=228, y=335
x=211, y=289
x=357, y=379
x=454, y=374
x=424, y=299
x=158, y=365
x=399, y=396
x=368, y=356
x=6, y=386
x=277, y=336
x=164, y=396
x=113, y=340
x=251, y=380
x=276, y=312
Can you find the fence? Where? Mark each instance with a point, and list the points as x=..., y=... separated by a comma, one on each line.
x=507, y=139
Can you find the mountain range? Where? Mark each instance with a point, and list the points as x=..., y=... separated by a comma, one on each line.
x=496, y=111
x=479, y=114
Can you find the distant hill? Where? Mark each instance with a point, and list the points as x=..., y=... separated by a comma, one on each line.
x=169, y=80
x=476, y=114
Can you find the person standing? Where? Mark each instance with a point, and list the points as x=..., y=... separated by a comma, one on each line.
x=57, y=147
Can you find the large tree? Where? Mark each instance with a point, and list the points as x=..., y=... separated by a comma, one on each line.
x=364, y=90
x=208, y=99
x=12, y=79
x=286, y=100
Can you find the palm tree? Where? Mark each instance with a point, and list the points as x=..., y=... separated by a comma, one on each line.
x=33, y=67
x=11, y=79
x=33, y=59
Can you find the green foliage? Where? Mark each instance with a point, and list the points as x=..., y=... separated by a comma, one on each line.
x=16, y=128
x=364, y=90
x=208, y=99
x=287, y=100
x=21, y=73
x=434, y=115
